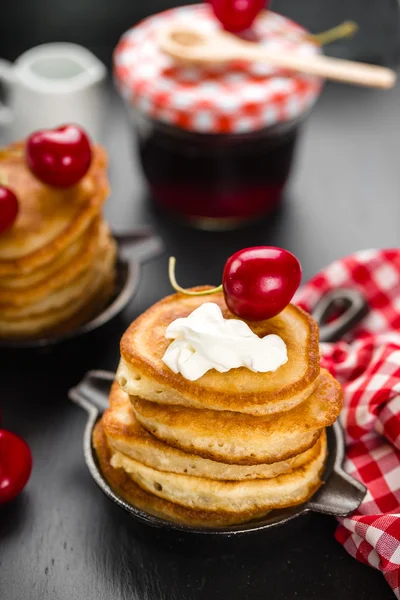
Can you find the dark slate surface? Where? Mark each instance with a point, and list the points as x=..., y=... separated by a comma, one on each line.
x=62, y=540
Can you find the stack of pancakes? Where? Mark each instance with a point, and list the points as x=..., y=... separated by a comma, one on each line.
x=228, y=447
x=57, y=261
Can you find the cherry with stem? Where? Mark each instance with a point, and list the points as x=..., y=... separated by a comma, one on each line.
x=257, y=283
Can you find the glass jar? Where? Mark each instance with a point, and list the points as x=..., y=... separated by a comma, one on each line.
x=216, y=146
x=216, y=181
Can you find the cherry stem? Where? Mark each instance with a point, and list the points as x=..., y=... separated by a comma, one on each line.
x=345, y=29
x=3, y=179
x=178, y=288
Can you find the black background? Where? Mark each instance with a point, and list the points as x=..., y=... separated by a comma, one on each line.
x=61, y=539
x=98, y=24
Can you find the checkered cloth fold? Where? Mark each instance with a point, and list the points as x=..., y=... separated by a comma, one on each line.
x=367, y=363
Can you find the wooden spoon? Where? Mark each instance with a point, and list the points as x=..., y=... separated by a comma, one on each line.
x=188, y=44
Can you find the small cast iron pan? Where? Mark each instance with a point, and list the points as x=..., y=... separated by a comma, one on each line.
x=134, y=248
x=340, y=495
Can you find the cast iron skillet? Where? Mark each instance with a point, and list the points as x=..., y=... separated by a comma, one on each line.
x=134, y=248
x=339, y=496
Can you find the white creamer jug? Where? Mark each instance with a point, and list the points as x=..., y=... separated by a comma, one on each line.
x=51, y=85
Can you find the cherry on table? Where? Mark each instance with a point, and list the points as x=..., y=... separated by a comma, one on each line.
x=237, y=15
x=59, y=157
x=259, y=282
x=15, y=465
x=8, y=208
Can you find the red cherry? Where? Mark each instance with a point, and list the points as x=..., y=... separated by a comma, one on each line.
x=237, y=15
x=259, y=282
x=59, y=157
x=15, y=465
x=8, y=208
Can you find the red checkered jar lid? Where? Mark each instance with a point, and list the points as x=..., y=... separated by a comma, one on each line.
x=234, y=98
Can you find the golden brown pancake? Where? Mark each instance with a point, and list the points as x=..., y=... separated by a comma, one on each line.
x=26, y=280
x=89, y=310
x=125, y=435
x=67, y=306
x=57, y=261
x=143, y=373
x=132, y=493
x=92, y=243
x=243, y=439
x=288, y=489
x=49, y=219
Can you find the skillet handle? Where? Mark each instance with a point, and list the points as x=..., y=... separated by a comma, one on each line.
x=92, y=392
x=139, y=245
x=353, y=305
x=340, y=496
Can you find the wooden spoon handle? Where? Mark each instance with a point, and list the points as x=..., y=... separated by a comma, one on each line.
x=185, y=44
x=324, y=66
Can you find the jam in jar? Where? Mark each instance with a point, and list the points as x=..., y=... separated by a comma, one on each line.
x=217, y=144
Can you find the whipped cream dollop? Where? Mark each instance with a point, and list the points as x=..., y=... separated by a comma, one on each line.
x=205, y=340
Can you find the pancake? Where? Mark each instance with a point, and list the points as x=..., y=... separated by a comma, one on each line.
x=242, y=439
x=132, y=493
x=201, y=493
x=142, y=372
x=68, y=306
x=50, y=219
x=125, y=435
x=57, y=261
x=88, y=311
x=25, y=280
x=92, y=243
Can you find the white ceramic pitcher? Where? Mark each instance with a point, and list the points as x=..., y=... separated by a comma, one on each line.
x=51, y=85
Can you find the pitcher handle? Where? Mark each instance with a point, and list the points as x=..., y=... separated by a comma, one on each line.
x=5, y=77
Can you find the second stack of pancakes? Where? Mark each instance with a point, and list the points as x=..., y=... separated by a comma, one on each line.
x=57, y=261
x=228, y=447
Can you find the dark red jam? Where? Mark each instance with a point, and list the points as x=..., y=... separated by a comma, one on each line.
x=214, y=180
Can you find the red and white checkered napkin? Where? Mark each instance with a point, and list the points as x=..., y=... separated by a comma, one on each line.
x=367, y=363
